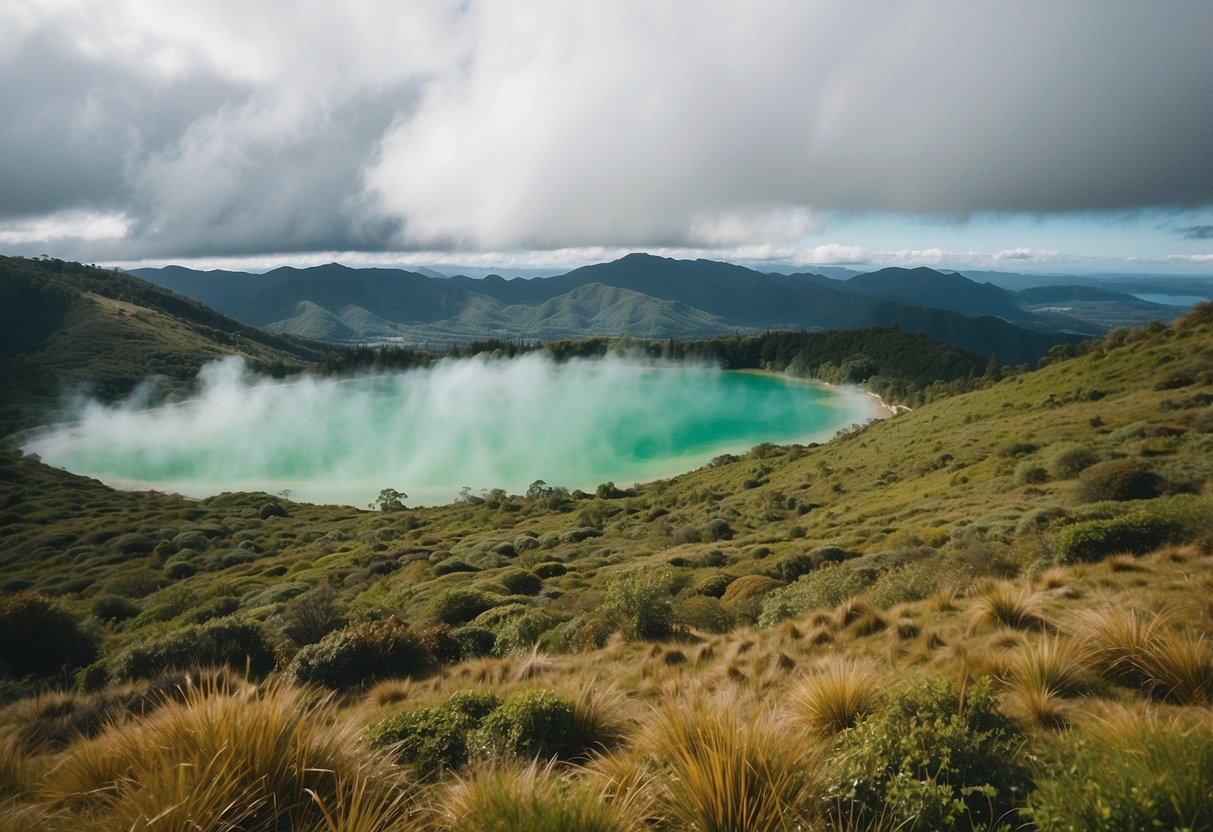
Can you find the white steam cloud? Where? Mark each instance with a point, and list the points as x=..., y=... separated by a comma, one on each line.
x=429, y=432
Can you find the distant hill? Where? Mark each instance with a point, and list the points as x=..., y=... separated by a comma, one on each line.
x=65, y=326
x=639, y=295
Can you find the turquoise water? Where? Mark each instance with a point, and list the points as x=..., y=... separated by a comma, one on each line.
x=428, y=433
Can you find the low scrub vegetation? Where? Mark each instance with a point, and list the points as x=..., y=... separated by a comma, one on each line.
x=906, y=628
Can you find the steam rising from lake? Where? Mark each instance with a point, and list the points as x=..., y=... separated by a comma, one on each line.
x=429, y=432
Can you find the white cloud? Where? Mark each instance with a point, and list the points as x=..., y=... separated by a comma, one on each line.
x=224, y=128
x=82, y=225
x=1187, y=258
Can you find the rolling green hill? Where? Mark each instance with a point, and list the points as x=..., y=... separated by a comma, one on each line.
x=64, y=327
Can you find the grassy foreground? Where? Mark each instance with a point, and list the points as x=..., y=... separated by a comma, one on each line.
x=991, y=612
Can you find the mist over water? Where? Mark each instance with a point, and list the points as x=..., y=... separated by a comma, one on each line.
x=480, y=423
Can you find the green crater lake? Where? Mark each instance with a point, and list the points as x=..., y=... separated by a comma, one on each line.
x=477, y=423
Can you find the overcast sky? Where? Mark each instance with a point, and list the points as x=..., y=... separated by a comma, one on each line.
x=1060, y=135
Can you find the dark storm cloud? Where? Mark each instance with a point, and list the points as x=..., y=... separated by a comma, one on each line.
x=229, y=128
x=1196, y=232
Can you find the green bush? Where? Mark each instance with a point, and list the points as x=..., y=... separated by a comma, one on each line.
x=1068, y=461
x=521, y=632
x=703, y=612
x=1154, y=776
x=475, y=641
x=1119, y=479
x=639, y=604
x=519, y=581
x=550, y=569
x=452, y=565
x=534, y=723
x=230, y=642
x=1028, y=472
x=431, y=740
x=361, y=652
x=459, y=606
x=115, y=608
x=1140, y=530
x=823, y=588
x=931, y=759
x=913, y=582
x=40, y=638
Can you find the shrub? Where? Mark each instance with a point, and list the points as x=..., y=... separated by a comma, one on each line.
x=361, y=652
x=230, y=642
x=638, y=602
x=441, y=643
x=522, y=631
x=1029, y=472
x=1143, y=529
x=821, y=589
x=534, y=723
x=550, y=569
x=115, y=608
x=932, y=759
x=458, y=606
x=713, y=585
x=452, y=565
x=433, y=739
x=1119, y=479
x=1143, y=773
x=520, y=581
x=311, y=616
x=1068, y=461
x=703, y=612
x=913, y=582
x=475, y=641
x=40, y=638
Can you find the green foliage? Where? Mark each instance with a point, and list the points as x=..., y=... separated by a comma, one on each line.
x=638, y=602
x=361, y=652
x=458, y=606
x=40, y=638
x=521, y=631
x=311, y=616
x=519, y=581
x=111, y=607
x=1029, y=471
x=1119, y=479
x=1153, y=775
x=232, y=642
x=389, y=499
x=1068, y=461
x=1137, y=531
x=534, y=723
x=934, y=758
x=821, y=589
x=430, y=740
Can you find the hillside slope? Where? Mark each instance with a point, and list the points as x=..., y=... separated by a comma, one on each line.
x=64, y=327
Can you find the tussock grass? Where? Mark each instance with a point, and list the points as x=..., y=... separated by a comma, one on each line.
x=249, y=759
x=1006, y=604
x=732, y=773
x=1179, y=667
x=1052, y=664
x=837, y=693
x=533, y=798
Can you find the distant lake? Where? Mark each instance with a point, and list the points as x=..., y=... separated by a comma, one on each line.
x=1185, y=301
x=478, y=423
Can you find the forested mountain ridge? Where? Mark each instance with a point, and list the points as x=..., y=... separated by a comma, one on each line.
x=639, y=295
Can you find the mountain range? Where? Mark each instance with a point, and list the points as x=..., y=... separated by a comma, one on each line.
x=655, y=297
